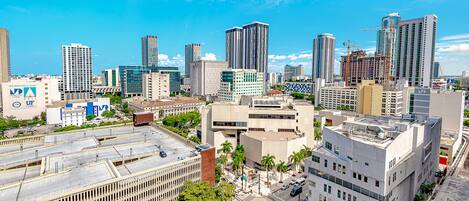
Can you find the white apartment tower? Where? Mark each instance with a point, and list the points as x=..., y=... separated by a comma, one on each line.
x=374, y=158
x=192, y=53
x=77, y=72
x=155, y=85
x=416, y=50
x=205, y=77
x=323, y=57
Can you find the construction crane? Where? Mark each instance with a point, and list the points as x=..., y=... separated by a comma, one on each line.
x=348, y=45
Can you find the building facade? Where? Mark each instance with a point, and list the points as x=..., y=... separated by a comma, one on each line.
x=111, y=77
x=392, y=103
x=234, y=47
x=131, y=79
x=73, y=112
x=206, y=77
x=336, y=97
x=323, y=57
x=369, y=98
x=274, y=79
x=155, y=86
x=374, y=158
x=436, y=70
x=77, y=69
x=238, y=82
x=256, y=46
x=363, y=67
x=300, y=87
x=416, y=50
x=387, y=37
x=293, y=71
x=167, y=107
x=192, y=53
x=263, y=125
x=150, y=51
x=5, y=68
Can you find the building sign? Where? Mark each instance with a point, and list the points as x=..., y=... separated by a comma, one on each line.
x=23, y=96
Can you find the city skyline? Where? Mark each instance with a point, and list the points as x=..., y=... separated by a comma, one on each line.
x=191, y=26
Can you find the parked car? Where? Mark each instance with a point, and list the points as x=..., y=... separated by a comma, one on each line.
x=285, y=187
x=297, y=189
x=163, y=154
x=300, y=181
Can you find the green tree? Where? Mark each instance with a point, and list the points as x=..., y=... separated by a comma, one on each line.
x=297, y=95
x=223, y=159
x=296, y=158
x=238, y=158
x=90, y=117
x=268, y=163
x=419, y=197
x=109, y=113
x=197, y=191
x=310, y=97
x=317, y=124
x=319, y=107
x=466, y=122
x=225, y=191
x=306, y=151
x=317, y=134
x=218, y=173
x=466, y=112
x=226, y=147
x=282, y=168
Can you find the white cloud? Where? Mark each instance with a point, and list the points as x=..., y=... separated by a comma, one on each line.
x=209, y=57
x=166, y=60
x=464, y=47
x=163, y=57
x=455, y=37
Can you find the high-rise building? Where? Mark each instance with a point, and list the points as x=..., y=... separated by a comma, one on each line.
x=5, y=69
x=155, y=85
x=387, y=37
x=192, y=53
x=111, y=77
x=436, y=70
x=290, y=71
x=256, y=41
x=369, y=98
x=392, y=103
x=363, y=67
x=205, y=77
x=234, y=47
x=416, y=50
x=374, y=158
x=323, y=57
x=77, y=72
x=150, y=51
x=274, y=78
x=238, y=82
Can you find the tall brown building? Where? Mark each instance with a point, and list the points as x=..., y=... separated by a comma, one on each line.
x=5, y=71
x=363, y=67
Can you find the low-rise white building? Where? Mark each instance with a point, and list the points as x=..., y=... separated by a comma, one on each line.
x=333, y=97
x=263, y=125
x=26, y=98
x=73, y=112
x=167, y=107
x=155, y=85
x=392, y=103
x=374, y=158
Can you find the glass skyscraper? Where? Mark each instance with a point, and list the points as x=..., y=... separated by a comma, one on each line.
x=131, y=78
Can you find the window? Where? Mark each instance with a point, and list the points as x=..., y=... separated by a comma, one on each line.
x=325, y=188
x=328, y=145
x=329, y=189
x=333, y=166
x=349, y=197
x=377, y=183
x=359, y=177
x=338, y=193
x=325, y=163
x=365, y=179
x=393, y=176
x=354, y=175
x=367, y=164
x=344, y=195
x=354, y=198
x=344, y=169
x=315, y=158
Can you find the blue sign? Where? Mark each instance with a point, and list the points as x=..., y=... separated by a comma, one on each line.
x=29, y=91
x=16, y=92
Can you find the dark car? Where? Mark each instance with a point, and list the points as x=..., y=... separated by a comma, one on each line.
x=163, y=154
x=297, y=189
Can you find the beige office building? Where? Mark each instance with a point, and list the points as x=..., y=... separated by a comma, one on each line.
x=369, y=98
x=206, y=77
x=5, y=69
x=335, y=96
x=155, y=85
x=275, y=125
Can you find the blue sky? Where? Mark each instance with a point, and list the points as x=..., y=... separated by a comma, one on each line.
x=113, y=28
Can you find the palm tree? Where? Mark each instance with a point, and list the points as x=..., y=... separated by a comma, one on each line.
x=317, y=134
x=306, y=151
x=226, y=147
x=237, y=163
x=296, y=158
x=268, y=163
x=282, y=168
x=223, y=160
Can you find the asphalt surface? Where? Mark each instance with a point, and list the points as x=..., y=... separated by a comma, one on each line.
x=284, y=195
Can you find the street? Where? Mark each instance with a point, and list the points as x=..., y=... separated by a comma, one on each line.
x=284, y=195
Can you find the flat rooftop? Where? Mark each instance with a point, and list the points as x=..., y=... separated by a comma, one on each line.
x=65, y=162
x=165, y=102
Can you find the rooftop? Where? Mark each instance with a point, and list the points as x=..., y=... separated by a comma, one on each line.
x=165, y=102
x=74, y=160
x=272, y=135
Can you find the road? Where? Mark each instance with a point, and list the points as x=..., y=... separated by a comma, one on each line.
x=284, y=195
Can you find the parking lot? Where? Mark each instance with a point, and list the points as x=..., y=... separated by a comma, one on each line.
x=284, y=195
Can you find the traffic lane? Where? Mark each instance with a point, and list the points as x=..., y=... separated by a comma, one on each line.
x=280, y=194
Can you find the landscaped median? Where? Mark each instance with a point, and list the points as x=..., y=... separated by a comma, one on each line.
x=181, y=125
x=91, y=126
